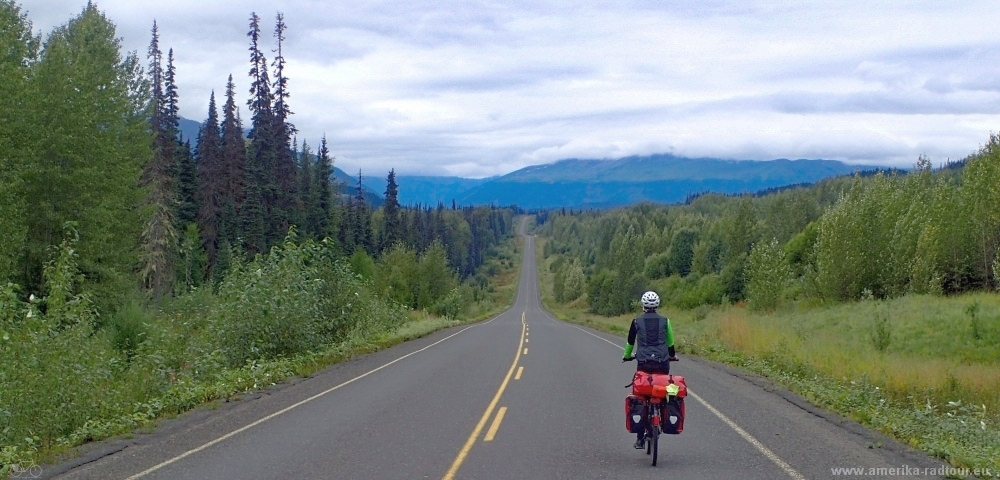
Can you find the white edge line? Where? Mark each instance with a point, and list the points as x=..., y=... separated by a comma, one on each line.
x=743, y=433
x=286, y=409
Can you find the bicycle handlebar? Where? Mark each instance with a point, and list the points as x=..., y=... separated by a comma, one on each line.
x=631, y=359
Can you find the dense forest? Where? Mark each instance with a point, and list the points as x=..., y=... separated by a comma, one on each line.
x=141, y=274
x=878, y=235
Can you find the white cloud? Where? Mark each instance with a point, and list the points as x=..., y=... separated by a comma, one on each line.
x=483, y=88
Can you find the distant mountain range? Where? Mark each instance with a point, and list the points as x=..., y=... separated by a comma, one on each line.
x=581, y=183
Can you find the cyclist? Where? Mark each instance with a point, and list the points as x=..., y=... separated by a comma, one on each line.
x=652, y=339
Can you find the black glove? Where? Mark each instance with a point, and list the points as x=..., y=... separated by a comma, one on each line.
x=672, y=352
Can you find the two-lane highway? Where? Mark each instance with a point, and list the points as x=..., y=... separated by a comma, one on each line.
x=521, y=395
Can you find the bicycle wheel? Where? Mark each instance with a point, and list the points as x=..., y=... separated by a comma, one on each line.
x=654, y=442
x=648, y=422
x=649, y=440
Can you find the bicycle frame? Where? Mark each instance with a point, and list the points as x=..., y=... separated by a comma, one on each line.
x=651, y=411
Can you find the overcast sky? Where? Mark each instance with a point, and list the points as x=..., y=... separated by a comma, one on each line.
x=475, y=89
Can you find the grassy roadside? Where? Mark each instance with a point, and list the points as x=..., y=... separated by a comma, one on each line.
x=922, y=369
x=187, y=389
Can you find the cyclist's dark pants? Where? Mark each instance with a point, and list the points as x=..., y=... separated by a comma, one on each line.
x=652, y=366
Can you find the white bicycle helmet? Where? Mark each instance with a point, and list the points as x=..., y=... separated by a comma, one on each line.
x=650, y=300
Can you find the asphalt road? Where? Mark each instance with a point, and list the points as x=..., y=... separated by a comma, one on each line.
x=520, y=396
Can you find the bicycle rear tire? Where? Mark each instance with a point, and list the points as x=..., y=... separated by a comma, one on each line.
x=655, y=442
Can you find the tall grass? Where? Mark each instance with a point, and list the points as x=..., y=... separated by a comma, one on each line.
x=925, y=364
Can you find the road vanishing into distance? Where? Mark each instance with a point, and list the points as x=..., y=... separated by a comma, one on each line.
x=518, y=396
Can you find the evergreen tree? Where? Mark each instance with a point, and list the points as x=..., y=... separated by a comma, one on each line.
x=234, y=170
x=159, y=238
x=253, y=219
x=186, y=174
x=260, y=85
x=155, y=72
x=260, y=216
x=362, y=219
x=307, y=196
x=287, y=208
x=346, y=232
x=171, y=107
x=415, y=231
x=192, y=258
x=187, y=185
x=392, y=230
x=211, y=183
x=429, y=228
x=322, y=171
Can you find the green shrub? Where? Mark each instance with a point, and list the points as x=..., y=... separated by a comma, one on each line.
x=454, y=304
x=294, y=300
x=881, y=334
x=127, y=328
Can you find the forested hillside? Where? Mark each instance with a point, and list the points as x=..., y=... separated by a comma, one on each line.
x=139, y=276
x=845, y=238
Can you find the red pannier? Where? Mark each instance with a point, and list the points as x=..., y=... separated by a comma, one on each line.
x=633, y=414
x=656, y=385
x=672, y=422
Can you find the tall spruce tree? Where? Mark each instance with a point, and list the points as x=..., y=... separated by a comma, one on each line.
x=392, y=231
x=234, y=172
x=322, y=172
x=287, y=208
x=171, y=102
x=186, y=171
x=187, y=185
x=159, y=238
x=211, y=182
x=258, y=217
x=306, y=194
x=362, y=220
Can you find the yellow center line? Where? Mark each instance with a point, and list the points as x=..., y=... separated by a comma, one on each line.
x=492, y=432
x=519, y=371
x=464, y=452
